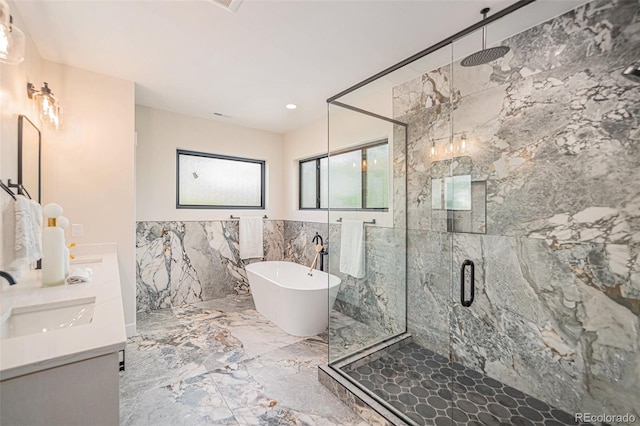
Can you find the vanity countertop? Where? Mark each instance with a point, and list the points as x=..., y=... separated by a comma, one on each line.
x=104, y=334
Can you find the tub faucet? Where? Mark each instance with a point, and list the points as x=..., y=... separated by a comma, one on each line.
x=8, y=277
x=317, y=239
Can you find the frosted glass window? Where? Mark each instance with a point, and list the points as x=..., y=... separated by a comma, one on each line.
x=359, y=179
x=377, y=177
x=216, y=181
x=308, y=185
x=345, y=180
x=324, y=183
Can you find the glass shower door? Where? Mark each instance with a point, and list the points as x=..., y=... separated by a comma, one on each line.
x=540, y=282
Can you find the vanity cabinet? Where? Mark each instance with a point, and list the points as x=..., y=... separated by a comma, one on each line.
x=80, y=393
x=68, y=375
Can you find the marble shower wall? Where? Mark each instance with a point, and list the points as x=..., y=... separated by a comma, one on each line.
x=555, y=134
x=184, y=262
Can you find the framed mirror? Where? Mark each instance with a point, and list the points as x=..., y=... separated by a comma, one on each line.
x=29, y=157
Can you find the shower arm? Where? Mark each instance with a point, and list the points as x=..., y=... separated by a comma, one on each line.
x=484, y=27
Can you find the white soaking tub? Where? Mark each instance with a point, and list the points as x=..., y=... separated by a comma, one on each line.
x=287, y=296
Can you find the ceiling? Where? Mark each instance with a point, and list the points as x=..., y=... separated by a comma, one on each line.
x=196, y=58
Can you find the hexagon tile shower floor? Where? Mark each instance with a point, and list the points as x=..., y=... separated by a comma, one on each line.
x=422, y=384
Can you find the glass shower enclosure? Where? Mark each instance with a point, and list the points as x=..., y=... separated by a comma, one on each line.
x=500, y=279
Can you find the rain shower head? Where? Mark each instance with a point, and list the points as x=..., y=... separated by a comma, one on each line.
x=632, y=73
x=485, y=55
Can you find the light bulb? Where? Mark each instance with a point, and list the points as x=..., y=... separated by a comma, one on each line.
x=4, y=42
x=12, y=40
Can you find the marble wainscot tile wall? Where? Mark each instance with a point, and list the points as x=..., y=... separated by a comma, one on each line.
x=376, y=300
x=298, y=241
x=555, y=136
x=185, y=262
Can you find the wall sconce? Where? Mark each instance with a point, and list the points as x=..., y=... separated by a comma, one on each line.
x=47, y=104
x=12, y=40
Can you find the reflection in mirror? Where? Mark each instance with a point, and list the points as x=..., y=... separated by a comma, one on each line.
x=461, y=202
x=29, y=141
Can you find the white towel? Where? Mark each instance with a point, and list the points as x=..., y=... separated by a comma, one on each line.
x=22, y=234
x=251, y=239
x=80, y=275
x=352, y=248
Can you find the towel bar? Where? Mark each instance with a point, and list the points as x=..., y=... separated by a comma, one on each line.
x=373, y=221
x=237, y=217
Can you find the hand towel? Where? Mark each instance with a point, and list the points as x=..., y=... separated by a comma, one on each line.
x=251, y=240
x=9, y=263
x=352, y=248
x=80, y=275
x=28, y=229
x=22, y=234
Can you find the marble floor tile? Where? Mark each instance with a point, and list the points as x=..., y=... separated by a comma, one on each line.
x=234, y=303
x=221, y=363
x=347, y=335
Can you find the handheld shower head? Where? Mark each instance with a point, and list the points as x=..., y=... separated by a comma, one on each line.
x=485, y=55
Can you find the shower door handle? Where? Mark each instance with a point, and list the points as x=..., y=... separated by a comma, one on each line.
x=472, y=281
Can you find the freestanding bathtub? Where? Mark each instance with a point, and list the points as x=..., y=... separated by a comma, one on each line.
x=294, y=301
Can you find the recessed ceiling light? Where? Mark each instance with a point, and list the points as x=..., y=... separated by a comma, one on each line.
x=291, y=106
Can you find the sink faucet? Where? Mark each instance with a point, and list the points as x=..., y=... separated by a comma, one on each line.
x=317, y=239
x=8, y=277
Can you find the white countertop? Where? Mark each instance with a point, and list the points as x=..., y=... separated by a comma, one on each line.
x=105, y=334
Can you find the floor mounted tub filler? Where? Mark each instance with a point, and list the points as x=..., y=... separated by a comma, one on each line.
x=295, y=301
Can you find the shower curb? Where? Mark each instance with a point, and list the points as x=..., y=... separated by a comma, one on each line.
x=362, y=404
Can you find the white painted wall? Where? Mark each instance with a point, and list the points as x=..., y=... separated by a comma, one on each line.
x=160, y=133
x=88, y=165
x=14, y=102
x=348, y=129
x=304, y=142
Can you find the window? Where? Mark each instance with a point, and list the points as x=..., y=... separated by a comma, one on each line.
x=359, y=179
x=211, y=181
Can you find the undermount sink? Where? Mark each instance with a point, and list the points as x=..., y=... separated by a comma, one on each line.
x=47, y=317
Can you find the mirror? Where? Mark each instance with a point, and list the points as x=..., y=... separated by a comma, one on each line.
x=29, y=140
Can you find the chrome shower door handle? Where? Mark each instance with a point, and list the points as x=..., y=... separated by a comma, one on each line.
x=472, y=282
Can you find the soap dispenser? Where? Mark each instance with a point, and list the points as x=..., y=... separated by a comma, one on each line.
x=53, y=263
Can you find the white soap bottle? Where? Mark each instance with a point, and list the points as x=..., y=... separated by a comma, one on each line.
x=52, y=247
x=63, y=223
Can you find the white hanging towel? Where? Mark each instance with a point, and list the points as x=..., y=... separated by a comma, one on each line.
x=352, y=248
x=23, y=246
x=251, y=239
